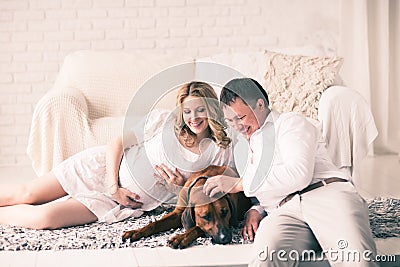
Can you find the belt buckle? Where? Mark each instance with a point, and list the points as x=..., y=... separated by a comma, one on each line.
x=287, y=198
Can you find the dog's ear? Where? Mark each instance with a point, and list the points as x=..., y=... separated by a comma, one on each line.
x=187, y=218
x=233, y=221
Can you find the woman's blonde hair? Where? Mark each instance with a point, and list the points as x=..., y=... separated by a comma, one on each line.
x=215, y=115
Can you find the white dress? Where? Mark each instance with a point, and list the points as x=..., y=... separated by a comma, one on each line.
x=83, y=176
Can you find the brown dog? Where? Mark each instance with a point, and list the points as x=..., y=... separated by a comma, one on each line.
x=198, y=214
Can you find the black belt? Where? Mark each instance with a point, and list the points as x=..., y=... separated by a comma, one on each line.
x=311, y=187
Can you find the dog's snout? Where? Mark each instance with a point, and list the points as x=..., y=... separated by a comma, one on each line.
x=224, y=236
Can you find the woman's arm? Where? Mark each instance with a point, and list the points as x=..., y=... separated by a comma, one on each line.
x=113, y=159
x=115, y=151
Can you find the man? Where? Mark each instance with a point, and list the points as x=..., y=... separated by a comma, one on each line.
x=311, y=205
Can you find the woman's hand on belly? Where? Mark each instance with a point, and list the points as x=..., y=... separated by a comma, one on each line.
x=171, y=180
x=171, y=176
x=126, y=198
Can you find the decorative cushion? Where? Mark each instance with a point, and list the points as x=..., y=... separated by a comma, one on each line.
x=296, y=82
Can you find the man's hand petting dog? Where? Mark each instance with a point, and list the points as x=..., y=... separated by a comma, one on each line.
x=222, y=184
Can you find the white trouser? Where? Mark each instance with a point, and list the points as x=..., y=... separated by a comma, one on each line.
x=333, y=218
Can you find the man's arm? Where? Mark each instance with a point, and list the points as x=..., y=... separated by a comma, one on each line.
x=297, y=140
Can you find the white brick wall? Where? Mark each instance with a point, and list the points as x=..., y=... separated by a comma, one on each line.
x=35, y=36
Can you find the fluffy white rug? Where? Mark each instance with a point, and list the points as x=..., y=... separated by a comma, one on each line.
x=384, y=220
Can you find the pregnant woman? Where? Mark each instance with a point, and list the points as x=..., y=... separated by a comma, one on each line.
x=117, y=181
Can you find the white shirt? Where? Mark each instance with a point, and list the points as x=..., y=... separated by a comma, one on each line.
x=286, y=155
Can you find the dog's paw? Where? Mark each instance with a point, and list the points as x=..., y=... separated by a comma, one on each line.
x=179, y=241
x=133, y=235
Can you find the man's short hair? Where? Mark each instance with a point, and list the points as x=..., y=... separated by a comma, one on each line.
x=249, y=90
